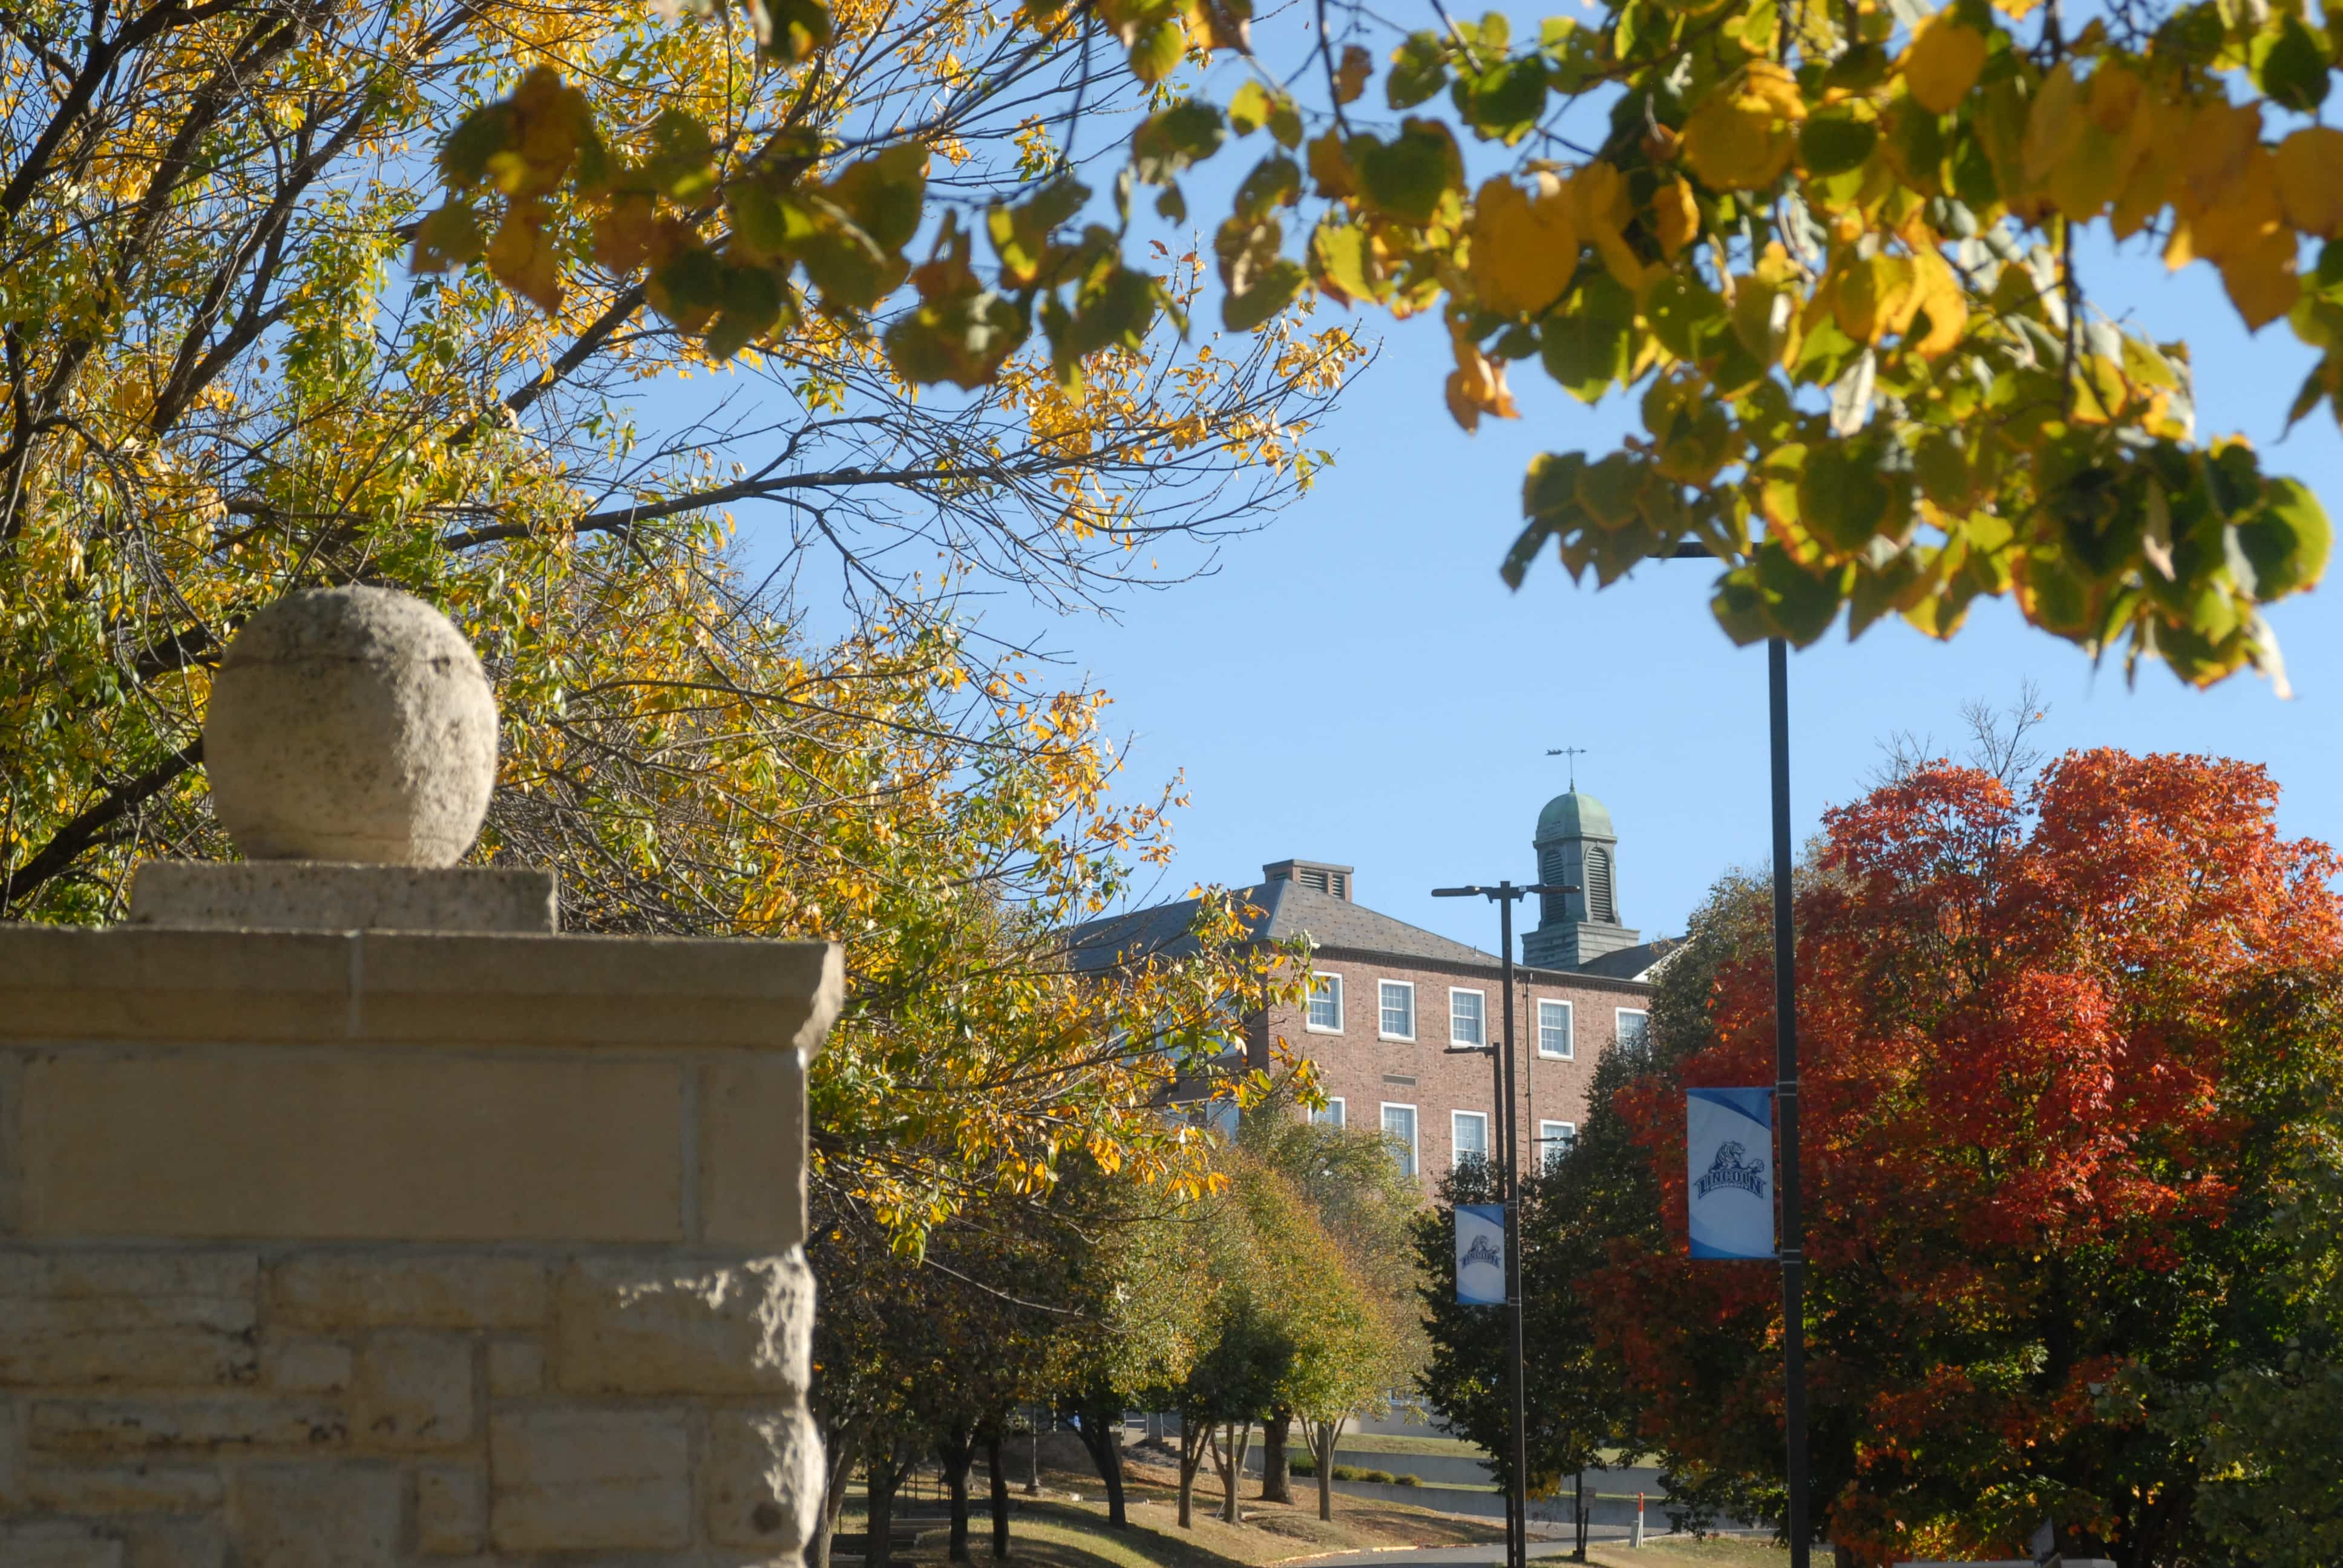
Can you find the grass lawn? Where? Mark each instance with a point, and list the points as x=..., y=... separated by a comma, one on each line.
x=1405, y=1443
x=1066, y=1527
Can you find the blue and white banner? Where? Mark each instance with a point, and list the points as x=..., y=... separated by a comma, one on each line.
x=1728, y=1140
x=1481, y=1254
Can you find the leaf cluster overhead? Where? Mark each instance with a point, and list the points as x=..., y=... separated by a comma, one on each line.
x=1839, y=247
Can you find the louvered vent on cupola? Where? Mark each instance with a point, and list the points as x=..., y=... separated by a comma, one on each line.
x=1599, y=906
x=1334, y=881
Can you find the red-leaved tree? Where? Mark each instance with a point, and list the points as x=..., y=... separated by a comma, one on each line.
x=2051, y=1052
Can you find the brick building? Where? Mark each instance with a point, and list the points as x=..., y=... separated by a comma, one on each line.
x=1387, y=999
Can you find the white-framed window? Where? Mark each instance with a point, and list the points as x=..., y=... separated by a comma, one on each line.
x=1555, y=1029
x=1399, y=1126
x=1468, y=1017
x=1468, y=1136
x=1332, y=1115
x=1633, y=1022
x=1325, y=1005
x=1555, y=1139
x=1396, y=1006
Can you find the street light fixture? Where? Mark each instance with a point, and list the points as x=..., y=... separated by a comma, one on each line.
x=1507, y=1163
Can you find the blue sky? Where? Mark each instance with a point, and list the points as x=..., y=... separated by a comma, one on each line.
x=1354, y=684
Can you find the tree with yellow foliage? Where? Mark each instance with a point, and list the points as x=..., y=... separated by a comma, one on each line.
x=222, y=384
x=1838, y=247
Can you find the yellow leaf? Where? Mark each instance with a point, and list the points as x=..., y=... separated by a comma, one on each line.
x=1743, y=135
x=2246, y=215
x=1875, y=296
x=2016, y=10
x=2260, y=278
x=1939, y=293
x=2053, y=124
x=1350, y=76
x=2220, y=139
x=2310, y=166
x=1676, y=215
x=1524, y=246
x=1477, y=387
x=521, y=257
x=2089, y=175
x=1943, y=63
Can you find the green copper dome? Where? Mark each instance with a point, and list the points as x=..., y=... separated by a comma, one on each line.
x=1573, y=816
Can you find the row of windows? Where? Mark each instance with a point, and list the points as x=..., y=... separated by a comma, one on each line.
x=1468, y=1132
x=1468, y=1020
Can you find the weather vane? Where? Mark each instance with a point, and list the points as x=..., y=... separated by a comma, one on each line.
x=1574, y=753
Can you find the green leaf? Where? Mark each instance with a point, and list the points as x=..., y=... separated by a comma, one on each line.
x=1584, y=340
x=1406, y=178
x=1274, y=181
x=2288, y=540
x=1171, y=206
x=791, y=30
x=1270, y=293
x=1339, y=253
x=2292, y=67
x=1842, y=496
x=450, y=237
x=1835, y=141
x=1419, y=69
x=1249, y=107
x=1685, y=314
x=1157, y=49
x=1795, y=603
x=1171, y=139
x=1020, y=233
x=682, y=160
x=751, y=303
x=883, y=194
x=481, y=135
x=1503, y=103
x=1610, y=490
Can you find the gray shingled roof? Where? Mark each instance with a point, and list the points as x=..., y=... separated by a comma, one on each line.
x=1287, y=910
x=1631, y=963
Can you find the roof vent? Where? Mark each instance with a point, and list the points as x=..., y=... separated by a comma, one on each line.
x=1334, y=881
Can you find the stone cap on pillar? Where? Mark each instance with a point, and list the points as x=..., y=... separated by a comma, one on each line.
x=351, y=745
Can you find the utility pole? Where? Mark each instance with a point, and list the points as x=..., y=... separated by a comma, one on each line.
x=1786, y=1103
x=1505, y=1136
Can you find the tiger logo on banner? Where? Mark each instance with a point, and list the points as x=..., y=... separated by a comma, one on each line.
x=1729, y=1189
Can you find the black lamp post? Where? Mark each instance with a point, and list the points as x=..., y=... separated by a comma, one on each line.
x=1792, y=1248
x=1507, y=1161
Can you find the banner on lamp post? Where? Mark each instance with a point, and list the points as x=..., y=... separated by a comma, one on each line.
x=1481, y=1254
x=1728, y=1140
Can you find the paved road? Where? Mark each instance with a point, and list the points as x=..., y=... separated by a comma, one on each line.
x=1453, y=1556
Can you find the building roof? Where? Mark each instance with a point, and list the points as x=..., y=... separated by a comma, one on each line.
x=1286, y=909
x=1571, y=815
x=1636, y=963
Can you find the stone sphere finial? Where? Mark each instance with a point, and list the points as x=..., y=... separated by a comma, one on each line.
x=351, y=724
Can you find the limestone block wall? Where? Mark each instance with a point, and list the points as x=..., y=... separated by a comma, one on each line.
x=349, y=1249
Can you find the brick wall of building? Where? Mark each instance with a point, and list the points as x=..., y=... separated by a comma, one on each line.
x=1366, y=1067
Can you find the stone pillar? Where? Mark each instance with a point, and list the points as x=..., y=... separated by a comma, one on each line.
x=350, y=1216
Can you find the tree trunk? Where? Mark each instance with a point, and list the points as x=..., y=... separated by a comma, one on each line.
x=1578, y=1518
x=1100, y=1421
x=1192, y=1439
x=999, y=1496
x=841, y=1445
x=1228, y=1456
x=1033, y=1456
x=1325, y=1435
x=1276, y=1483
x=880, y=1478
x=957, y=1450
